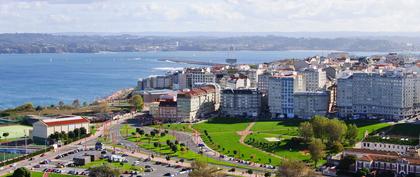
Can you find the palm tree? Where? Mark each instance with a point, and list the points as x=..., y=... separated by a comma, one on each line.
x=201, y=169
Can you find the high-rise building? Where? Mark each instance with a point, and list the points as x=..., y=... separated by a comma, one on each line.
x=199, y=76
x=280, y=94
x=263, y=82
x=308, y=104
x=240, y=102
x=315, y=79
x=391, y=95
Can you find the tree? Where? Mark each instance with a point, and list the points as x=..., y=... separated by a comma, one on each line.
x=76, y=103
x=5, y=135
x=39, y=108
x=363, y=172
x=294, y=168
x=72, y=135
x=141, y=132
x=174, y=148
x=316, y=149
x=201, y=169
x=337, y=147
x=61, y=104
x=76, y=132
x=336, y=130
x=137, y=102
x=156, y=144
x=346, y=162
x=306, y=131
x=105, y=170
x=21, y=172
x=83, y=131
x=351, y=134
x=319, y=125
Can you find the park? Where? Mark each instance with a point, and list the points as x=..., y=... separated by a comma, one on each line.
x=265, y=142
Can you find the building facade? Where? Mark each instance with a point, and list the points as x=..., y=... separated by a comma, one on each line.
x=199, y=76
x=263, y=82
x=315, y=79
x=168, y=112
x=280, y=94
x=240, y=102
x=383, y=95
x=198, y=102
x=308, y=104
x=45, y=127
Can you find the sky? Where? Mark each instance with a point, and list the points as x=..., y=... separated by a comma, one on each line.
x=116, y=16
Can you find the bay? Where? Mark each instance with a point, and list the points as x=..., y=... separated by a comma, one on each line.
x=45, y=79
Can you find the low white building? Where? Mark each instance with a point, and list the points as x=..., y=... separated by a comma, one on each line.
x=45, y=127
x=379, y=146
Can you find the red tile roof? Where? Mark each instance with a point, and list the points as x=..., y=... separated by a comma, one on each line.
x=65, y=121
x=197, y=91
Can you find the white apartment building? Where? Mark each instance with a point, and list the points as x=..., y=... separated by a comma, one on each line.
x=263, y=82
x=280, y=94
x=308, y=104
x=45, y=127
x=315, y=79
x=240, y=102
x=391, y=95
x=155, y=82
x=199, y=76
x=198, y=102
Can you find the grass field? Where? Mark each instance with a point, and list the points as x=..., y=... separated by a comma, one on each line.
x=402, y=130
x=367, y=125
x=124, y=166
x=176, y=127
x=224, y=139
x=15, y=131
x=284, y=130
x=39, y=174
x=148, y=143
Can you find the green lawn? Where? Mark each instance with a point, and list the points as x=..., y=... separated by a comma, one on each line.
x=367, y=125
x=15, y=131
x=39, y=174
x=124, y=166
x=224, y=139
x=402, y=130
x=148, y=143
x=176, y=127
x=284, y=130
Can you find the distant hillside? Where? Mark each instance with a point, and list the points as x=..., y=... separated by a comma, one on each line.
x=49, y=43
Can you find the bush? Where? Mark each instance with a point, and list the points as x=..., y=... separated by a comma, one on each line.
x=21, y=172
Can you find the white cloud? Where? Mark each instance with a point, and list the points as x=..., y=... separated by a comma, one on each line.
x=207, y=15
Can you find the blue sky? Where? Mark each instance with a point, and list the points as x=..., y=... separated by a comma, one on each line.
x=208, y=15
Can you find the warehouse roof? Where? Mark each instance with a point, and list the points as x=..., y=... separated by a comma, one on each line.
x=67, y=120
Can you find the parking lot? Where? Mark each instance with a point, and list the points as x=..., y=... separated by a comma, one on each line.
x=64, y=164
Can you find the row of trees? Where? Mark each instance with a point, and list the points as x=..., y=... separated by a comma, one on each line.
x=71, y=136
x=323, y=134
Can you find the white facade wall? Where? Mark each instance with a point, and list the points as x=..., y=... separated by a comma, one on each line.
x=402, y=149
x=392, y=97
